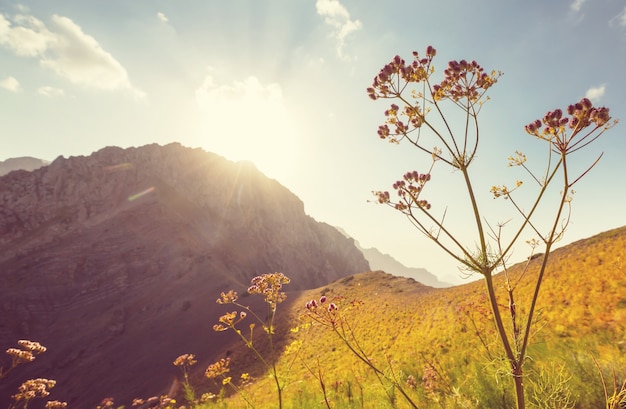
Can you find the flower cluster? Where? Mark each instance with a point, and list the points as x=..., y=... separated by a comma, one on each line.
x=229, y=320
x=34, y=388
x=323, y=312
x=270, y=286
x=313, y=304
x=411, y=382
x=584, y=114
x=464, y=80
x=185, y=360
x=553, y=125
x=27, y=352
x=55, y=404
x=227, y=298
x=218, y=369
x=155, y=402
x=384, y=84
x=408, y=189
x=503, y=190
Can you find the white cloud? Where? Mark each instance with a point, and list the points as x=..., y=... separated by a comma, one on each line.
x=28, y=38
x=239, y=99
x=66, y=50
x=337, y=16
x=50, y=91
x=10, y=84
x=595, y=93
x=577, y=5
x=162, y=17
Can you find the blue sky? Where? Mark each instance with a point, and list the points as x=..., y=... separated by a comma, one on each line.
x=282, y=83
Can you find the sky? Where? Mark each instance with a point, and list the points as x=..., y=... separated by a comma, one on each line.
x=282, y=83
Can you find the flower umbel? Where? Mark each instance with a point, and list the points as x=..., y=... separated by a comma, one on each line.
x=270, y=286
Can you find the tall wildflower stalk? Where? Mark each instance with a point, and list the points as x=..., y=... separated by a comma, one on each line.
x=416, y=117
x=270, y=287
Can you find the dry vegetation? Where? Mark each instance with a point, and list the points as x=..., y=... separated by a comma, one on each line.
x=444, y=342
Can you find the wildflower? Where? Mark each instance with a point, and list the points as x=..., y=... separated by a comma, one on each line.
x=411, y=382
x=185, y=360
x=20, y=356
x=218, y=368
x=269, y=286
x=55, y=404
x=106, y=403
x=34, y=347
x=34, y=388
x=227, y=298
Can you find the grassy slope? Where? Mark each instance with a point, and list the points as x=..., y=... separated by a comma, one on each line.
x=582, y=316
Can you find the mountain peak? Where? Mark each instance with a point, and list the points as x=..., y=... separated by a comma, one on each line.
x=100, y=253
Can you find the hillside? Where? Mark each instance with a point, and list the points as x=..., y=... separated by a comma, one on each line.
x=431, y=335
x=112, y=261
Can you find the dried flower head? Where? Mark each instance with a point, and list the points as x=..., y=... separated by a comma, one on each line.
x=227, y=298
x=185, y=360
x=270, y=286
x=34, y=388
x=218, y=368
x=55, y=404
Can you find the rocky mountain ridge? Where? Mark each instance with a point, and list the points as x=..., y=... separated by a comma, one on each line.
x=114, y=261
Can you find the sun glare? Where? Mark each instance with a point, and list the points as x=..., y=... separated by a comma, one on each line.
x=247, y=120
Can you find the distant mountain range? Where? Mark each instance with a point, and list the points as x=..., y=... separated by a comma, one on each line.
x=388, y=264
x=23, y=163
x=385, y=262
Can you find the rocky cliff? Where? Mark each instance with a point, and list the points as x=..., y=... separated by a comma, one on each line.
x=114, y=261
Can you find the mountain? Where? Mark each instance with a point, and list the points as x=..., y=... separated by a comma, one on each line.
x=114, y=261
x=23, y=163
x=385, y=262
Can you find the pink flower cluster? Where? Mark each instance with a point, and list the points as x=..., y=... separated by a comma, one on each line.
x=418, y=70
x=313, y=304
x=464, y=80
x=583, y=114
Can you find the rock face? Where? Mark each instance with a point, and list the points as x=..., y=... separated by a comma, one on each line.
x=114, y=261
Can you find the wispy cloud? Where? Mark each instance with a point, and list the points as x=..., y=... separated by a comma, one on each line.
x=619, y=19
x=338, y=17
x=66, y=50
x=10, y=84
x=577, y=5
x=595, y=93
x=162, y=17
x=238, y=97
x=49, y=91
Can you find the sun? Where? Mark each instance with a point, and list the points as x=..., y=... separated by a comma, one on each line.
x=247, y=120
